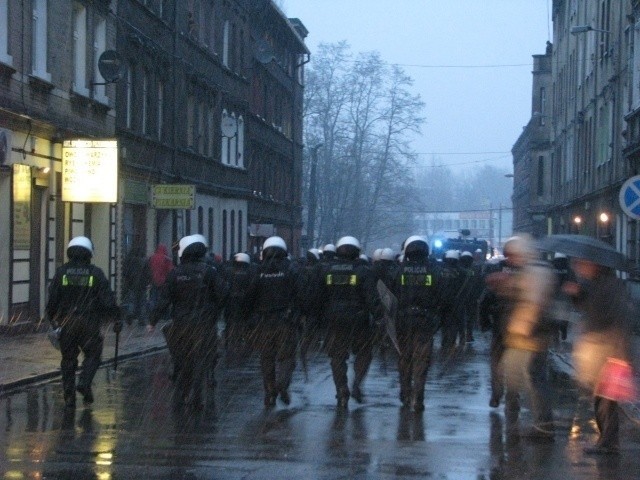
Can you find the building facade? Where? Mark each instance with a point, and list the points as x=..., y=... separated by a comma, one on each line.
x=591, y=141
x=50, y=91
x=204, y=100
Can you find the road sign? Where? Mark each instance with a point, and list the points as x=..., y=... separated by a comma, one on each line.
x=630, y=197
x=173, y=196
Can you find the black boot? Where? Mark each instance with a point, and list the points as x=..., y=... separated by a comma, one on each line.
x=86, y=392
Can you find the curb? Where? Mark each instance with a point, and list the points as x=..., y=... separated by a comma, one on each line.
x=42, y=377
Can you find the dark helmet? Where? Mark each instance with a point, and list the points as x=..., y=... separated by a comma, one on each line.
x=416, y=246
x=348, y=247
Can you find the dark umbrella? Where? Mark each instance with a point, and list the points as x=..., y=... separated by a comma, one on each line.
x=587, y=248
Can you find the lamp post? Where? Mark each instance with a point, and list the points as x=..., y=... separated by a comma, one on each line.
x=313, y=201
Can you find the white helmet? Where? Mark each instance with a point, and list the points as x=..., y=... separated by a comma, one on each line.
x=241, y=258
x=81, y=241
x=348, y=240
x=276, y=242
x=376, y=254
x=387, y=254
x=329, y=247
x=559, y=255
x=190, y=240
x=414, y=238
x=466, y=254
x=452, y=254
x=364, y=257
x=315, y=252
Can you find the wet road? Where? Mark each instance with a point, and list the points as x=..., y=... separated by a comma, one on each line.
x=134, y=431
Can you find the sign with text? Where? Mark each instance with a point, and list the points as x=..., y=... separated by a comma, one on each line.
x=173, y=196
x=90, y=171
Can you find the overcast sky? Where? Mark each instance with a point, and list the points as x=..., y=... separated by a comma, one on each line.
x=477, y=104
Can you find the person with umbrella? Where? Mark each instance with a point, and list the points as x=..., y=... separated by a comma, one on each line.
x=605, y=326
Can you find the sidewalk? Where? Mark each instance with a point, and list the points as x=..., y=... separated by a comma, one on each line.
x=30, y=358
x=561, y=362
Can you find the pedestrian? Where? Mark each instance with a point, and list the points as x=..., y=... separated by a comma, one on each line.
x=79, y=295
x=527, y=288
x=136, y=276
x=421, y=299
x=349, y=298
x=160, y=264
x=275, y=297
x=605, y=333
x=468, y=299
x=493, y=313
x=195, y=292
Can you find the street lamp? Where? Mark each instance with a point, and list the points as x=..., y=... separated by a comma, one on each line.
x=313, y=201
x=577, y=29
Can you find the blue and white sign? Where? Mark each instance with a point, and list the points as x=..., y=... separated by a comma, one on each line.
x=630, y=197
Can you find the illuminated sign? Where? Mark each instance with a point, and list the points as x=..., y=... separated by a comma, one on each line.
x=173, y=196
x=90, y=171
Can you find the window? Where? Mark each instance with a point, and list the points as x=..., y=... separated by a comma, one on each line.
x=224, y=234
x=190, y=120
x=543, y=105
x=145, y=103
x=200, y=127
x=200, y=220
x=225, y=44
x=99, y=46
x=540, y=186
x=39, y=40
x=210, y=131
x=210, y=227
x=240, y=140
x=232, y=229
x=240, y=231
x=160, y=109
x=129, y=98
x=79, y=51
x=4, y=33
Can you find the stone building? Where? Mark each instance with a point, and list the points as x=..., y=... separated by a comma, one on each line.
x=592, y=130
x=50, y=91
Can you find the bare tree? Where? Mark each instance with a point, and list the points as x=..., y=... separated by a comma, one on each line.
x=363, y=114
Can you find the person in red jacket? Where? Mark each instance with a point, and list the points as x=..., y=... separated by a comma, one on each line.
x=160, y=264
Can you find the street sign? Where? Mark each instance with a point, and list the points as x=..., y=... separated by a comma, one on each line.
x=165, y=196
x=90, y=171
x=630, y=197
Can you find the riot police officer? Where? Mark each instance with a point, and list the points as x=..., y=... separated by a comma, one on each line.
x=349, y=298
x=195, y=291
x=276, y=295
x=237, y=312
x=452, y=281
x=386, y=267
x=420, y=297
x=79, y=294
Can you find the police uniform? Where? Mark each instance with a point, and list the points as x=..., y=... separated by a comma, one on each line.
x=78, y=295
x=195, y=293
x=417, y=287
x=240, y=275
x=349, y=298
x=452, y=282
x=275, y=297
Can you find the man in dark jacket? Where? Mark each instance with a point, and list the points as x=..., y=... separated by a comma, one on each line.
x=275, y=296
x=195, y=291
x=137, y=276
x=349, y=297
x=78, y=296
x=418, y=288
